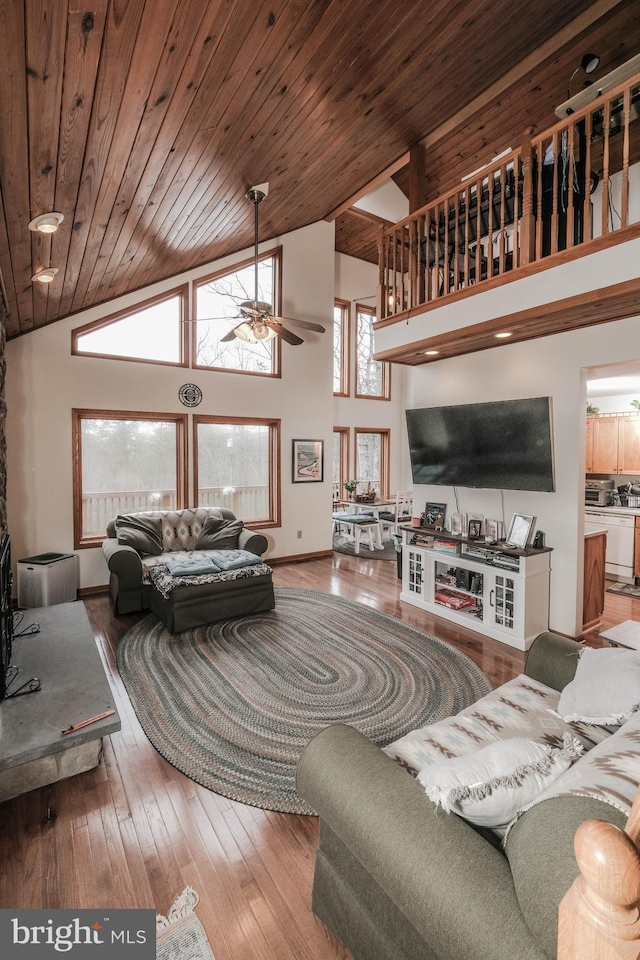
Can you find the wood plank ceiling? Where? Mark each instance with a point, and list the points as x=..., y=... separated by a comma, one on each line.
x=144, y=121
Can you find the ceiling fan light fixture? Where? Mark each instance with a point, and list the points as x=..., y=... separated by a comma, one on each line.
x=262, y=331
x=45, y=276
x=244, y=331
x=47, y=222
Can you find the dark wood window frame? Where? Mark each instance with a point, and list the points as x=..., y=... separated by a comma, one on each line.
x=385, y=455
x=360, y=308
x=276, y=254
x=182, y=292
x=78, y=416
x=274, y=423
x=345, y=348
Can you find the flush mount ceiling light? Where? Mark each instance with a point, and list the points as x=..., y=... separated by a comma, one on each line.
x=431, y=353
x=45, y=276
x=47, y=222
x=502, y=336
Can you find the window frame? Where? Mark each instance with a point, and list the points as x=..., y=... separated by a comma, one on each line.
x=80, y=541
x=344, y=433
x=345, y=348
x=182, y=292
x=274, y=423
x=385, y=456
x=361, y=308
x=276, y=356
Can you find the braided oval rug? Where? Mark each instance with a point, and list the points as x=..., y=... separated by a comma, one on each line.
x=232, y=704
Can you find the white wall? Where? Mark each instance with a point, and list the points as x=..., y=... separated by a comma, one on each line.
x=44, y=383
x=356, y=282
x=550, y=366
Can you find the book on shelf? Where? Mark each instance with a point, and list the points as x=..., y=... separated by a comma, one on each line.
x=445, y=546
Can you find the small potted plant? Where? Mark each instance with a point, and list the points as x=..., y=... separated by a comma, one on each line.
x=350, y=487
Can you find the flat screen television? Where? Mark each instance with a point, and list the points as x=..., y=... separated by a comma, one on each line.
x=500, y=445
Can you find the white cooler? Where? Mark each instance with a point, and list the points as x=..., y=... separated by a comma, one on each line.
x=47, y=579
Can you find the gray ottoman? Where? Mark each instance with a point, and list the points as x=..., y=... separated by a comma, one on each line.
x=196, y=603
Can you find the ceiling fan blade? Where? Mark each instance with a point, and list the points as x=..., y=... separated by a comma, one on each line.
x=228, y=337
x=285, y=334
x=305, y=324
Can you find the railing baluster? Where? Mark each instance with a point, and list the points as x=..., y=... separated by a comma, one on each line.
x=555, y=222
x=466, y=237
x=570, y=186
x=626, y=119
x=538, y=207
x=456, y=242
x=587, y=228
x=478, y=231
x=503, y=200
x=606, y=186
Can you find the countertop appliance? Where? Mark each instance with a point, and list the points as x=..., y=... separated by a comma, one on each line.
x=598, y=493
x=620, y=537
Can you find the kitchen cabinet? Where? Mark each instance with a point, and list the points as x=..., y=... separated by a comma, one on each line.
x=595, y=545
x=613, y=445
x=636, y=565
x=620, y=541
x=589, y=451
x=605, y=445
x=628, y=445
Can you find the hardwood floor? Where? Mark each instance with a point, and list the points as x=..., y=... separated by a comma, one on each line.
x=135, y=832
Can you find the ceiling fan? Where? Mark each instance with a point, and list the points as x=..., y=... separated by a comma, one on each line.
x=257, y=320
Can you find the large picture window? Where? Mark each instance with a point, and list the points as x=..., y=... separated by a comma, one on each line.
x=237, y=466
x=216, y=310
x=341, y=310
x=154, y=331
x=372, y=460
x=124, y=463
x=373, y=377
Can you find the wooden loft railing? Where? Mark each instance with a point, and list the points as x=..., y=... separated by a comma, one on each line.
x=572, y=188
x=599, y=917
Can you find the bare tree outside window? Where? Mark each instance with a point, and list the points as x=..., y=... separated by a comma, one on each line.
x=341, y=309
x=235, y=466
x=372, y=376
x=221, y=297
x=372, y=461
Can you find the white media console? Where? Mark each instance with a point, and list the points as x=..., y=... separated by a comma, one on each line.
x=500, y=592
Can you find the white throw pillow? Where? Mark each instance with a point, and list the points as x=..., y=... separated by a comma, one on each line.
x=605, y=689
x=490, y=786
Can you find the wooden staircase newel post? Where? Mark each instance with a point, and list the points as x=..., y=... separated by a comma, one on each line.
x=599, y=917
x=527, y=224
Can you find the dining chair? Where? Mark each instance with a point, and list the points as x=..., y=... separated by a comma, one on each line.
x=401, y=513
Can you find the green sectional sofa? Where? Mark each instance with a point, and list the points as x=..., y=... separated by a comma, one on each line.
x=398, y=879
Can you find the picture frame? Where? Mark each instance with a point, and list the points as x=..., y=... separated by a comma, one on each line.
x=519, y=531
x=307, y=461
x=492, y=530
x=455, y=523
x=434, y=514
x=475, y=529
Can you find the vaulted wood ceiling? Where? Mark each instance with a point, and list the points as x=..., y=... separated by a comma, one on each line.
x=144, y=121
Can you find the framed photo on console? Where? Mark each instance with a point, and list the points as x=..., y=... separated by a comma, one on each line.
x=307, y=461
x=434, y=514
x=475, y=529
x=519, y=531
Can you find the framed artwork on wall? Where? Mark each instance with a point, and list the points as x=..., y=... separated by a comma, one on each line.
x=307, y=461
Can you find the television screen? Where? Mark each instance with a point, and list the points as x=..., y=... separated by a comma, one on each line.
x=501, y=445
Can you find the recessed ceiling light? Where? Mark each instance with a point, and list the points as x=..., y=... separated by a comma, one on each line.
x=432, y=353
x=45, y=276
x=503, y=336
x=47, y=222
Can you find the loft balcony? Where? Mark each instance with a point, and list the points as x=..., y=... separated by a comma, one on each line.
x=564, y=194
